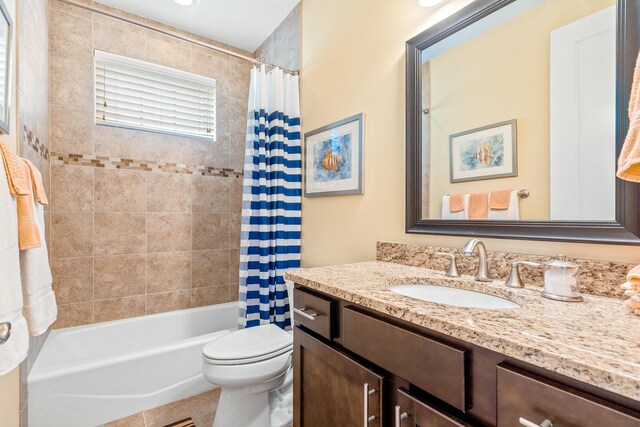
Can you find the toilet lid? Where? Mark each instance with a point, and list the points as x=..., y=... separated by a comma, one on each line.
x=257, y=343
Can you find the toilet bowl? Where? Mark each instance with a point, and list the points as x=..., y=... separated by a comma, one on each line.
x=253, y=369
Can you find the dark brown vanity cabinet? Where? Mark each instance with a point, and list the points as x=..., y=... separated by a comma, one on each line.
x=332, y=389
x=357, y=367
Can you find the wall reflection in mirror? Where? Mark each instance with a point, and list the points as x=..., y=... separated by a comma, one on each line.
x=523, y=99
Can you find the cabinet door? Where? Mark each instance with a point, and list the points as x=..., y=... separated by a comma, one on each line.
x=411, y=412
x=331, y=389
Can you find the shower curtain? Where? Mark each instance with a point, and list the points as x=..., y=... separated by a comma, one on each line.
x=270, y=239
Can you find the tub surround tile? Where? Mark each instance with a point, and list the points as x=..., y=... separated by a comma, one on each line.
x=594, y=341
x=111, y=35
x=597, y=277
x=168, y=51
x=119, y=276
x=235, y=200
x=118, y=195
x=168, y=232
x=71, y=188
x=72, y=279
x=71, y=130
x=119, y=233
x=210, y=268
x=55, y=5
x=168, y=301
x=210, y=194
x=168, y=192
x=74, y=315
x=168, y=271
x=120, y=191
x=235, y=223
x=69, y=83
x=70, y=38
x=234, y=292
x=234, y=265
x=119, y=308
x=210, y=231
x=207, y=296
x=71, y=234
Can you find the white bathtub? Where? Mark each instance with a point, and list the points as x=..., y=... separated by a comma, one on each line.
x=89, y=375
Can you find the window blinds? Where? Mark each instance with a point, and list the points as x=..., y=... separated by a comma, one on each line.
x=139, y=95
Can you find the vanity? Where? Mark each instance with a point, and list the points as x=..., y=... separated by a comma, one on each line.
x=366, y=355
x=516, y=112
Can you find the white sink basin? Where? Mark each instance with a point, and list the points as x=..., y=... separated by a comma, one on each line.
x=453, y=296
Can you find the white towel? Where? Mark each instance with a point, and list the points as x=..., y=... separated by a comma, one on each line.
x=15, y=349
x=513, y=213
x=447, y=214
x=40, y=308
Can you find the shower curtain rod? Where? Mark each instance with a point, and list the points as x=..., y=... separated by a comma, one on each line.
x=174, y=34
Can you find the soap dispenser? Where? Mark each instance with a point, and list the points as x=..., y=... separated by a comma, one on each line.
x=562, y=280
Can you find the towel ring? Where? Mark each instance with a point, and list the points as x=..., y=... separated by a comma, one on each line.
x=5, y=332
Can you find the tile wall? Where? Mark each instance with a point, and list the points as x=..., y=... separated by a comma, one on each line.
x=282, y=47
x=33, y=128
x=141, y=222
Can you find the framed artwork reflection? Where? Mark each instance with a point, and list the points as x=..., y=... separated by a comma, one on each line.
x=487, y=152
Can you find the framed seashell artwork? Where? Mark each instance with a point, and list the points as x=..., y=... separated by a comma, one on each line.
x=484, y=153
x=333, y=160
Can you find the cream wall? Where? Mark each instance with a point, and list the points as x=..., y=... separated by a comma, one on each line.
x=501, y=75
x=352, y=61
x=9, y=384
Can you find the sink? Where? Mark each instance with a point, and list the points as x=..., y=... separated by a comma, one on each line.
x=453, y=296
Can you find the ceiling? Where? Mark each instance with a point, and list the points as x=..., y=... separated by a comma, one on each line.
x=244, y=24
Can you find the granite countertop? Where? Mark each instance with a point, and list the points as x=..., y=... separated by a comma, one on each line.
x=596, y=341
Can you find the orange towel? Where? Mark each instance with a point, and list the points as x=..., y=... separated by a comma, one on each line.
x=478, y=205
x=36, y=181
x=634, y=275
x=13, y=166
x=500, y=200
x=629, y=160
x=28, y=233
x=456, y=202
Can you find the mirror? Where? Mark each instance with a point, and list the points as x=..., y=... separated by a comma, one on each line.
x=513, y=118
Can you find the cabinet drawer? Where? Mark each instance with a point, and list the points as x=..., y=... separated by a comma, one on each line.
x=410, y=412
x=435, y=367
x=536, y=399
x=318, y=310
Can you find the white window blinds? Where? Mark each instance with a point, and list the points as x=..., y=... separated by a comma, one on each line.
x=139, y=95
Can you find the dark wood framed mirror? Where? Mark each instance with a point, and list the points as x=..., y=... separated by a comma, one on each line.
x=620, y=223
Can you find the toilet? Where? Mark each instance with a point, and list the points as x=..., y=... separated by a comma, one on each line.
x=253, y=368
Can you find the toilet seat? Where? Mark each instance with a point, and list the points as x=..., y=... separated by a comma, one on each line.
x=248, y=345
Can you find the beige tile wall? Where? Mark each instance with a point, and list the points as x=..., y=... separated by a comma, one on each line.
x=33, y=128
x=126, y=243
x=282, y=47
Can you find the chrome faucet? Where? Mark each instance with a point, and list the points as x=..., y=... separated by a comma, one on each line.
x=482, y=275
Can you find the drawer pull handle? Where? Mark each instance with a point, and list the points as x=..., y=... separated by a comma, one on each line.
x=306, y=313
x=5, y=332
x=400, y=416
x=526, y=423
x=367, y=393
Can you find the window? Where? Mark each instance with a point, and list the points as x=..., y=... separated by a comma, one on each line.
x=139, y=95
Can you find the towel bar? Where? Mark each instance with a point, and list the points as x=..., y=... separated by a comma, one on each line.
x=522, y=194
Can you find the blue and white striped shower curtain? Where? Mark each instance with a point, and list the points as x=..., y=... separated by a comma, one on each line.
x=270, y=242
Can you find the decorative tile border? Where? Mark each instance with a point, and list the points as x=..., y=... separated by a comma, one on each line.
x=141, y=165
x=34, y=142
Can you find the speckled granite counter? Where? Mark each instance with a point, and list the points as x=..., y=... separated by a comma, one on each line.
x=595, y=341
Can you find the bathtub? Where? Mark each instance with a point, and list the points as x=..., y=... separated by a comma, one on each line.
x=89, y=375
